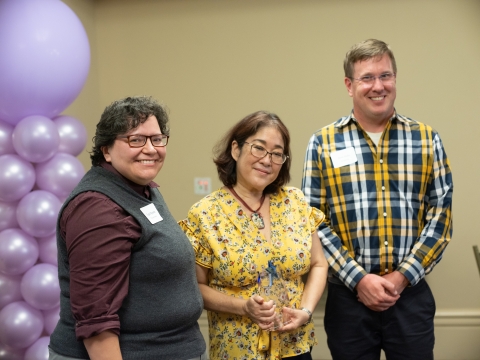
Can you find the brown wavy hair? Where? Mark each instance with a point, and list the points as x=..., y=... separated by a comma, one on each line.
x=248, y=126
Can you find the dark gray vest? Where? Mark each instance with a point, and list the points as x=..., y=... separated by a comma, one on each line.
x=158, y=318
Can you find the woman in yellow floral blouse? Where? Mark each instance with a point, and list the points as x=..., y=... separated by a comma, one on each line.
x=237, y=230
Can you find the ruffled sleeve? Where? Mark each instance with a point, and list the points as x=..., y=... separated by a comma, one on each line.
x=191, y=226
x=316, y=218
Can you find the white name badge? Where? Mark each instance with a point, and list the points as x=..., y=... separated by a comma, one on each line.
x=343, y=157
x=151, y=212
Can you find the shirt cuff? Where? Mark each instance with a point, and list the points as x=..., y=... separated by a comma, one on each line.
x=351, y=274
x=85, y=329
x=412, y=269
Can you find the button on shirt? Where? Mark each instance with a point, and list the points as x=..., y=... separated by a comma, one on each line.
x=390, y=208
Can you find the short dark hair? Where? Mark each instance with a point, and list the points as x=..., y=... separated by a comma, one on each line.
x=122, y=116
x=248, y=126
x=371, y=48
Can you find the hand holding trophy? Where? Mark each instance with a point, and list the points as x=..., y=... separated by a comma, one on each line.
x=271, y=287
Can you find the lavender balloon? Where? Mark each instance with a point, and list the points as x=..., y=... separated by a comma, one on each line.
x=60, y=174
x=18, y=251
x=50, y=319
x=8, y=215
x=17, y=177
x=73, y=135
x=20, y=325
x=45, y=58
x=47, y=247
x=6, y=145
x=36, y=138
x=40, y=287
x=37, y=213
x=8, y=353
x=39, y=349
x=9, y=289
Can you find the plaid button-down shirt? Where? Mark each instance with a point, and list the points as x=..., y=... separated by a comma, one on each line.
x=388, y=207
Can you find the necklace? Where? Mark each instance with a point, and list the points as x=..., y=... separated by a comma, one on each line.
x=256, y=216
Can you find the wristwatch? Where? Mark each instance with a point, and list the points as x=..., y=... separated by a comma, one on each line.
x=309, y=314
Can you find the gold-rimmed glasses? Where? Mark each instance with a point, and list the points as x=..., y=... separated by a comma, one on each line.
x=260, y=152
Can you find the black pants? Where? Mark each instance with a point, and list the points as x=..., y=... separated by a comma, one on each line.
x=305, y=356
x=405, y=331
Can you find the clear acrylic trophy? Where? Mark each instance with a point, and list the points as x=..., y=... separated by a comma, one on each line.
x=271, y=287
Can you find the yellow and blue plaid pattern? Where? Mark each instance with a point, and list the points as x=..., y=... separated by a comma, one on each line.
x=389, y=210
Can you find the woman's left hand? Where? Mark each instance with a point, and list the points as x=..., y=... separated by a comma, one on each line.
x=297, y=318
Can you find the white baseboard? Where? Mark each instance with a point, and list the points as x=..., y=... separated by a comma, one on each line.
x=446, y=318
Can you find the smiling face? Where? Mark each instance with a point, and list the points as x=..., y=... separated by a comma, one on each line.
x=373, y=104
x=140, y=165
x=255, y=174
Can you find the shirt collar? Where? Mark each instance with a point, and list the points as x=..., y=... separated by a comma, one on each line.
x=351, y=118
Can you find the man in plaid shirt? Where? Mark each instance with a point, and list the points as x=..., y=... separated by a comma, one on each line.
x=384, y=183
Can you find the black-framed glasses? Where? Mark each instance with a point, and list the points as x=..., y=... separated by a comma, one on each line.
x=136, y=141
x=260, y=152
x=385, y=78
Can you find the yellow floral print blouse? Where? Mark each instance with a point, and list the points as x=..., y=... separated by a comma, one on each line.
x=227, y=242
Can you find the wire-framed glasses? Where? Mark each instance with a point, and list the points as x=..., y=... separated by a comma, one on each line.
x=260, y=152
x=386, y=78
x=136, y=141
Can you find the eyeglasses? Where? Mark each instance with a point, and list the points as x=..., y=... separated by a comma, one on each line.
x=385, y=78
x=136, y=141
x=260, y=152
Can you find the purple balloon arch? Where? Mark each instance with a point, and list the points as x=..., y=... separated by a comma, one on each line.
x=44, y=65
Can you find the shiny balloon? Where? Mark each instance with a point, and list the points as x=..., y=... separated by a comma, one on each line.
x=8, y=215
x=39, y=349
x=9, y=289
x=36, y=138
x=50, y=319
x=60, y=174
x=8, y=353
x=40, y=287
x=18, y=251
x=47, y=247
x=45, y=58
x=6, y=145
x=17, y=177
x=20, y=325
x=73, y=135
x=37, y=213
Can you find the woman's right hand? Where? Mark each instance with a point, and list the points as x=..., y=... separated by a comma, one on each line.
x=256, y=308
x=260, y=311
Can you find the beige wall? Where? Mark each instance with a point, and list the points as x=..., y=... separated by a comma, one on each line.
x=213, y=62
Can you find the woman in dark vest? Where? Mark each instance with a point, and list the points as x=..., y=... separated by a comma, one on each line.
x=126, y=269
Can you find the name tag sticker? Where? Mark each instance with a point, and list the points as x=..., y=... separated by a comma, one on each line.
x=343, y=157
x=151, y=212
